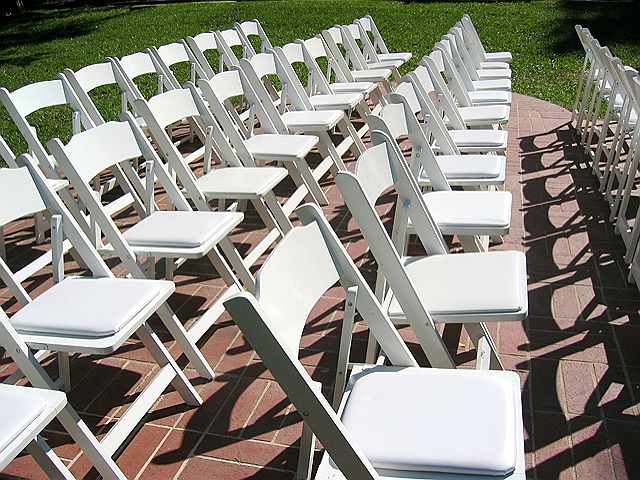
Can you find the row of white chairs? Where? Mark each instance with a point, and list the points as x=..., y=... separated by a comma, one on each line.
x=606, y=112
x=97, y=314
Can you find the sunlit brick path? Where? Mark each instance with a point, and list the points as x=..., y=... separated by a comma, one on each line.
x=578, y=354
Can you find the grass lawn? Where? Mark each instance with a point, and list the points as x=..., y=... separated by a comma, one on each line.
x=540, y=35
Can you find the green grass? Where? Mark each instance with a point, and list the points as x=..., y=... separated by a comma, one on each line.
x=547, y=55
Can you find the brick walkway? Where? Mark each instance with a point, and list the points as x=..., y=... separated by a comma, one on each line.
x=578, y=353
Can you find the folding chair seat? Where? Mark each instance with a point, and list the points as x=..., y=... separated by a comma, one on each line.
x=474, y=43
x=381, y=428
x=314, y=49
x=93, y=315
x=383, y=167
x=24, y=414
x=379, y=46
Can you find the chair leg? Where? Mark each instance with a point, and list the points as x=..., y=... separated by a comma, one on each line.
x=265, y=215
x=162, y=357
x=305, y=458
x=347, y=130
x=345, y=346
x=48, y=461
x=278, y=214
x=64, y=370
x=479, y=334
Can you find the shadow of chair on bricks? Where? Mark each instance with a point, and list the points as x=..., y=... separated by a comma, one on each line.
x=582, y=346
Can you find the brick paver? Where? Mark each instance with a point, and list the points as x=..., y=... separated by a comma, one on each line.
x=577, y=354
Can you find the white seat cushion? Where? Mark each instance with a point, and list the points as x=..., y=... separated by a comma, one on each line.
x=470, y=213
x=340, y=101
x=404, y=56
x=57, y=185
x=386, y=63
x=436, y=420
x=88, y=307
x=228, y=181
x=495, y=84
x=472, y=166
x=18, y=408
x=489, y=65
x=271, y=147
x=465, y=285
x=490, y=97
x=371, y=75
x=182, y=229
x=493, y=73
x=498, y=57
x=485, y=115
x=357, y=87
x=480, y=138
x=312, y=120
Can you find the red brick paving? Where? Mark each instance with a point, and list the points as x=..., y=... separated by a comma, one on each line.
x=577, y=354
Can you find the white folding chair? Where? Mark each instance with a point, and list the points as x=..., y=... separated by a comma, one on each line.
x=293, y=55
x=338, y=78
x=238, y=178
x=447, y=142
x=378, y=46
x=250, y=29
x=471, y=58
x=318, y=123
x=452, y=61
x=474, y=43
x=451, y=273
x=471, y=172
x=366, y=55
x=369, y=26
x=462, y=116
x=83, y=315
x=24, y=414
x=252, y=148
x=477, y=71
x=333, y=42
x=368, y=438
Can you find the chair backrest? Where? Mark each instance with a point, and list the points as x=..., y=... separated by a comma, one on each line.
x=197, y=46
x=219, y=92
x=332, y=38
x=293, y=90
x=166, y=56
x=369, y=25
x=85, y=80
x=451, y=68
x=37, y=96
x=259, y=91
x=474, y=38
x=430, y=76
x=128, y=68
x=226, y=40
x=354, y=54
x=266, y=321
x=253, y=28
x=315, y=48
x=423, y=156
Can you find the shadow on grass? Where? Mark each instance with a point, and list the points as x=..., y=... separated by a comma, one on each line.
x=611, y=22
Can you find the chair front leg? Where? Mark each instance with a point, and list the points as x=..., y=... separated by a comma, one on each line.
x=345, y=346
x=48, y=461
x=485, y=346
